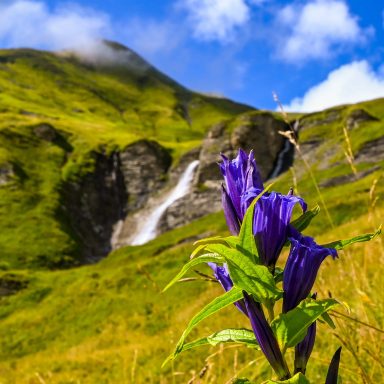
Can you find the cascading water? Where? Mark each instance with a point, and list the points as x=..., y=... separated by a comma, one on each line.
x=147, y=228
x=280, y=159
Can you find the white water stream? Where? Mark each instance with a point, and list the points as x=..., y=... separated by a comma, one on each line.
x=280, y=159
x=146, y=230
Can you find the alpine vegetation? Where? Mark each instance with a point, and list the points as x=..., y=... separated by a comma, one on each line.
x=245, y=264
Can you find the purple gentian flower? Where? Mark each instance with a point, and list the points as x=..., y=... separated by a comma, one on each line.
x=304, y=349
x=240, y=175
x=231, y=217
x=265, y=337
x=271, y=220
x=222, y=276
x=301, y=269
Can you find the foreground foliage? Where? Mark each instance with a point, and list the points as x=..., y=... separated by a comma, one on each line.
x=245, y=265
x=109, y=323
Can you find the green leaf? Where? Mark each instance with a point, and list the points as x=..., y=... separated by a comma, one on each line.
x=198, y=251
x=326, y=318
x=253, y=278
x=186, y=347
x=247, y=241
x=299, y=378
x=208, y=257
x=232, y=335
x=214, y=306
x=229, y=240
x=305, y=219
x=290, y=328
x=341, y=244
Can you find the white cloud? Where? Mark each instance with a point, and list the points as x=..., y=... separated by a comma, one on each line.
x=216, y=19
x=350, y=83
x=318, y=28
x=30, y=23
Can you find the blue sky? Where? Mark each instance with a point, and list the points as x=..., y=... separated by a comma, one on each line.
x=312, y=53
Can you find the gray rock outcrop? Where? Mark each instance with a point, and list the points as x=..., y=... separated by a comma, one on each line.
x=257, y=131
x=120, y=183
x=104, y=206
x=357, y=117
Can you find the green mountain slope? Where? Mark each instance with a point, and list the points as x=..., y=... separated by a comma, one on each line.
x=109, y=322
x=90, y=107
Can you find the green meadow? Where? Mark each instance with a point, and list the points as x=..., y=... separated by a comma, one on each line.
x=110, y=322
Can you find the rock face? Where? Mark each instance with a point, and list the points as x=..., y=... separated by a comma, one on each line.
x=144, y=165
x=94, y=203
x=196, y=204
x=358, y=116
x=259, y=132
x=104, y=206
x=11, y=283
x=371, y=152
x=45, y=131
x=7, y=173
x=120, y=183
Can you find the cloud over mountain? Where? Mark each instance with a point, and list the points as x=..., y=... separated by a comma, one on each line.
x=31, y=23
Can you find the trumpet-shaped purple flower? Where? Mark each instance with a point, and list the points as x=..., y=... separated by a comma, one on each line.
x=222, y=276
x=231, y=217
x=271, y=220
x=304, y=349
x=301, y=269
x=240, y=175
x=266, y=338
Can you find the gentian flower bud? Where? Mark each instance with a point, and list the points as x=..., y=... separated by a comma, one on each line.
x=265, y=337
x=240, y=175
x=333, y=369
x=304, y=349
x=231, y=216
x=271, y=220
x=301, y=269
x=222, y=276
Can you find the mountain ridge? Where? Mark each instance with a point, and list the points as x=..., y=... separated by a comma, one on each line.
x=65, y=155
x=65, y=125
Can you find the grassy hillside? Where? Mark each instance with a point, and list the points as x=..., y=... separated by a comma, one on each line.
x=109, y=322
x=90, y=107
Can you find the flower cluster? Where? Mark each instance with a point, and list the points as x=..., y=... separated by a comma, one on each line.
x=271, y=229
x=245, y=265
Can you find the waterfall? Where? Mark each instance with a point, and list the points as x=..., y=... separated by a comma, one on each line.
x=116, y=233
x=280, y=159
x=147, y=227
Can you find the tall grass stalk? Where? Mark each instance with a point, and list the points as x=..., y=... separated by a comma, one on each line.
x=292, y=137
x=348, y=152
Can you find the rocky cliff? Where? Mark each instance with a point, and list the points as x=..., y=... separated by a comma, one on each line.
x=127, y=185
x=258, y=131
x=120, y=183
x=89, y=148
x=103, y=206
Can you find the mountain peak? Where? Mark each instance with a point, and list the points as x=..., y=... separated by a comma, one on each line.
x=102, y=53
